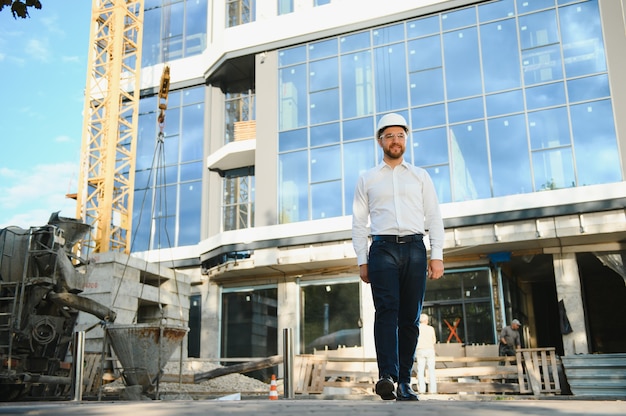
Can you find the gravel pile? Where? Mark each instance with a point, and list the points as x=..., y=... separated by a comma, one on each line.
x=224, y=385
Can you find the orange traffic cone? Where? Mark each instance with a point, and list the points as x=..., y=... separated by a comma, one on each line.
x=273, y=390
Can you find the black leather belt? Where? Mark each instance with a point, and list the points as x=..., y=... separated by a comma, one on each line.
x=400, y=239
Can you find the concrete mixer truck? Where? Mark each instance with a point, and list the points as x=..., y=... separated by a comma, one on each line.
x=40, y=285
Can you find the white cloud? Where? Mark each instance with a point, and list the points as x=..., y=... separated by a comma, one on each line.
x=63, y=139
x=38, y=50
x=29, y=196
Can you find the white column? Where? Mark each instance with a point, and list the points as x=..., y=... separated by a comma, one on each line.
x=210, y=322
x=288, y=296
x=568, y=288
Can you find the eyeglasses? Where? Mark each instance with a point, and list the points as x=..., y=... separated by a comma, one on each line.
x=391, y=136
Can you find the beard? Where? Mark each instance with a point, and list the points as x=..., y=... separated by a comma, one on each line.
x=394, y=152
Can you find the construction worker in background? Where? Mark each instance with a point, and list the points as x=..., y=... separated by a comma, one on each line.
x=509, y=339
x=426, y=356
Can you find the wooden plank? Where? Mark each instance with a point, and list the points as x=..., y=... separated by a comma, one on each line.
x=176, y=378
x=521, y=378
x=239, y=368
x=555, y=372
x=503, y=370
x=455, y=387
x=474, y=359
x=318, y=376
x=545, y=370
x=532, y=372
x=91, y=372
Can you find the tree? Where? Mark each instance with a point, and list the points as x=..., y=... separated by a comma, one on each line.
x=19, y=8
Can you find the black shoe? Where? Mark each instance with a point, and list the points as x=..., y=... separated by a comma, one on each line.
x=385, y=387
x=405, y=392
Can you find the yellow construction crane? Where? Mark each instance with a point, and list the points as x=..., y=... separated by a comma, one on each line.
x=107, y=173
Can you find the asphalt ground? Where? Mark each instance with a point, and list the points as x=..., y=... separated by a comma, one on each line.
x=453, y=405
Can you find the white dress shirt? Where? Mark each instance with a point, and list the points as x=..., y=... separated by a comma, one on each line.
x=400, y=201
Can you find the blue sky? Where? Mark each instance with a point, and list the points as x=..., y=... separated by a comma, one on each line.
x=43, y=70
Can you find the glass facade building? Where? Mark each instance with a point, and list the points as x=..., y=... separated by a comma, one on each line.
x=500, y=98
x=513, y=107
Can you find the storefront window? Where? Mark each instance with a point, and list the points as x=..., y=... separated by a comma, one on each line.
x=460, y=307
x=330, y=316
x=250, y=326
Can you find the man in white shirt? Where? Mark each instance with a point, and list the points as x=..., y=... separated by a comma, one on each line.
x=401, y=204
x=426, y=356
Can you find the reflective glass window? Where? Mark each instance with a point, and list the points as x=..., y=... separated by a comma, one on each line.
x=331, y=316
x=323, y=74
x=549, y=128
x=192, y=132
x=325, y=163
x=190, y=207
x=429, y=116
x=238, y=202
x=357, y=84
x=239, y=12
x=510, y=161
x=469, y=162
x=350, y=43
x=553, y=169
x=292, y=140
x=583, y=46
x=588, y=88
x=464, y=299
x=390, y=77
x=542, y=64
x=430, y=147
x=292, y=107
x=504, y=103
x=324, y=106
x=325, y=134
x=357, y=158
x=427, y=86
x=597, y=155
x=358, y=128
x=500, y=53
x=191, y=171
x=173, y=30
x=462, y=63
x=249, y=325
x=323, y=49
x=465, y=110
x=326, y=200
x=171, y=170
x=423, y=26
x=441, y=179
x=285, y=7
x=424, y=53
x=293, y=182
x=496, y=10
x=292, y=56
x=388, y=34
x=525, y=6
x=547, y=95
x=458, y=18
x=538, y=29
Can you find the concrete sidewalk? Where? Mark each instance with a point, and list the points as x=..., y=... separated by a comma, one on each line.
x=453, y=406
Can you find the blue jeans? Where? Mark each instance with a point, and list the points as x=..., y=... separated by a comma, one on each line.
x=397, y=273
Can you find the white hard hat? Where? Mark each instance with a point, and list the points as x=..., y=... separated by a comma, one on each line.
x=391, y=119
